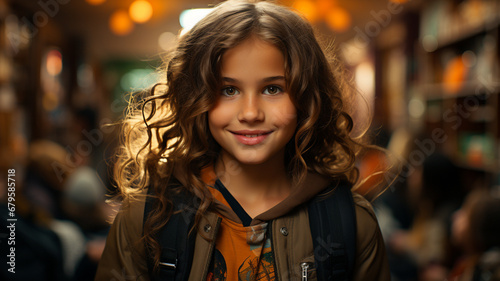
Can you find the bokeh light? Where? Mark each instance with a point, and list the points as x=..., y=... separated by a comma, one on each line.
x=120, y=23
x=429, y=43
x=469, y=58
x=454, y=75
x=416, y=108
x=139, y=79
x=140, y=11
x=308, y=9
x=365, y=79
x=54, y=62
x=338, y=19
x=189, y=18
x=324, y=6
x=95, y=2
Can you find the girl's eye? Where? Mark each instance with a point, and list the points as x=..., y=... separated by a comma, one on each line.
x=272, y=90
x=229, y=91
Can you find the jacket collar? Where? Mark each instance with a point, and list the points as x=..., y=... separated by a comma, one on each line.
x=300, y=193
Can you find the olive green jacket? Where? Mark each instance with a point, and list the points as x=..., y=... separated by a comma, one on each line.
x=124, y=256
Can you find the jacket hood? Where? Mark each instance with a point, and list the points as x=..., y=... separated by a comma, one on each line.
x=300, y=193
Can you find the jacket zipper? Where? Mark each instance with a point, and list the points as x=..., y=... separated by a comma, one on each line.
x=305, y=268
x=270, y=228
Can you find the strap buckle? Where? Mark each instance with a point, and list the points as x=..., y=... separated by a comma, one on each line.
x=169, y=265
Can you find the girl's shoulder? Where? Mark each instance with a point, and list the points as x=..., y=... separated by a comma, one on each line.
x=367, y=224
x=363, y=207
x=131, y=216
x=369, y=240
x=124, y=253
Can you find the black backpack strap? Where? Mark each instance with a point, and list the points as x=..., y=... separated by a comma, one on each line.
x=177, y=246
x=332, y=220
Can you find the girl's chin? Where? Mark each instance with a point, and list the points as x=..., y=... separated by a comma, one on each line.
x=248, y=161
x=250, y=158
x=256, y=156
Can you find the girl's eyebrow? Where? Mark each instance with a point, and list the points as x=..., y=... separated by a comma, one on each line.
x=273, y=78
x=265, y=80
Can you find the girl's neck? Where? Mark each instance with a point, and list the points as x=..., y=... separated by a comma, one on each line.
x=257, y=187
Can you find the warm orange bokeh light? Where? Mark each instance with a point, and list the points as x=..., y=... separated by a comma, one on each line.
x=324, y=6
x=399, y=1
x=338, y=19
x=120, y=23
x=308, y=9
x=140, y=11
x=454, y=75
x=95, y=2
x=54, y=62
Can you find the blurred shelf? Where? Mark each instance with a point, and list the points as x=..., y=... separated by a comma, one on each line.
x=437, y=91
x=456, y=85
x=467, y=33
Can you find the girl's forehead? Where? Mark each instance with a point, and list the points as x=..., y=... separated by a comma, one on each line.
x=253, y=44
x=253, y=57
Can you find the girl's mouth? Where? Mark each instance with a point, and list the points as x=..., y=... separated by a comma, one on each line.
x=251, y=137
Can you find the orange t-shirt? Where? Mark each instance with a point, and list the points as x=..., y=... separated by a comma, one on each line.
x=241, y=252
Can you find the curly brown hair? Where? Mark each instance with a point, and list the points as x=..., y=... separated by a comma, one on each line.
x=166, y=135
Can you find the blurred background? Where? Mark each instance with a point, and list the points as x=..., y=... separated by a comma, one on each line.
x=428, y=71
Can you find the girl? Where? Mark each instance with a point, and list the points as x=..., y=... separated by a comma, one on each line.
x=251, y=126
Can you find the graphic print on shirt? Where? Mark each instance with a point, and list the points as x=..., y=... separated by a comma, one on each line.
x=253, y=269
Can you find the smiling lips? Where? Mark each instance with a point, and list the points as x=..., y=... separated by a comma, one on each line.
x=251, y=137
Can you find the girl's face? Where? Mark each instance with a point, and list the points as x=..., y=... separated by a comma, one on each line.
x=254, y=117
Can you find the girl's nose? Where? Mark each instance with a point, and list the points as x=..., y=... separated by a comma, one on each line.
x=251, y=109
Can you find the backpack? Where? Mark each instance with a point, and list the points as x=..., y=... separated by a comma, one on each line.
x=332, y=221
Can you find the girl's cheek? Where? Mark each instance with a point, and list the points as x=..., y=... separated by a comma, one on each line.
x=284, y=115
x=220, y=113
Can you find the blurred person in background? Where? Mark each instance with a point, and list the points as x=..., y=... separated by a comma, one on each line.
x=83, y=202
x=61, y=216
x=415, y=218
x=476, y=230
x=435, y=193
x=393, y=210
x=83, y=196
x=46, y=247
